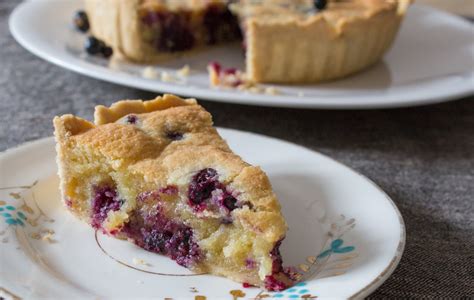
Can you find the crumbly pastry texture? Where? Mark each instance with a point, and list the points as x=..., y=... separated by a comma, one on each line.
x=158, y=174
x=284, y=41
x=294, y=44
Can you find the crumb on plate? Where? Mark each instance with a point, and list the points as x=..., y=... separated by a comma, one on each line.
x=150, y=73
x=184, y=71
x=139, y=262
x=271, y=90
x=166, y=77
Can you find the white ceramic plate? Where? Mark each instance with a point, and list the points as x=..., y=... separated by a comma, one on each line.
x=432, y=61
x=346, y=236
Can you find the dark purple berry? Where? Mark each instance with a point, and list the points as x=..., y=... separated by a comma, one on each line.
x=107, y=51
x=202, y=185
x=93, y=45
x=230, y=202
x=105, y=200
x=201, y=196
x=174, y=136
x=273, y=284
x=81, y=21
x=175, y=33
x=320, y=4
x=281, y=278
x=163, y=235
x=220, y=24
x=131, y=119
x=276, y=258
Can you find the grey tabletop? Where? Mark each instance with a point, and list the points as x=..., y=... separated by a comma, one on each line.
x=422, y=157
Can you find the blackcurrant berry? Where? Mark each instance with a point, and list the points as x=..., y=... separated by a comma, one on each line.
x=81, y=21
x=320, y=4
x=107, y=51
x=92, y=45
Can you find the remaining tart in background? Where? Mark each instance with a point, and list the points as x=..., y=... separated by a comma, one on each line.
x=292, y=42
x=285, y=41
x=158, y=174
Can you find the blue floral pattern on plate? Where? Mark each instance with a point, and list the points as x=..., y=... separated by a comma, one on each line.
x=12, y=215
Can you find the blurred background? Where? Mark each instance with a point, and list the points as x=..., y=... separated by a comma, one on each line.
x=460, y=7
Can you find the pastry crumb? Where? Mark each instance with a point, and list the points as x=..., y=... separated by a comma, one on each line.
x=48, y=237
x=35, y=235
x=139, y=262
x=166, y=77
x=232, y=78
x=225, y=77
x=150, y=73
x=184, y=71
x=44, y=234
x=256, y=89
x=272, y=91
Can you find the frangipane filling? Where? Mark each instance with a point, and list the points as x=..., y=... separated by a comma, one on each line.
x=157, y=225
x=180, y=29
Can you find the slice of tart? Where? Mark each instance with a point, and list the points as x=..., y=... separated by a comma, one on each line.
x=158, y=174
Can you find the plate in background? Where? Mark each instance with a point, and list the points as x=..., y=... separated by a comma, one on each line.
x=432, y=61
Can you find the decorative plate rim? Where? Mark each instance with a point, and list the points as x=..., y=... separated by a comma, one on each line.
x=388, y=271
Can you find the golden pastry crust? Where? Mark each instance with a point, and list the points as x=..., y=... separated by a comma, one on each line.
x=129, y=147
x=117, y=23
x=346, y=37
